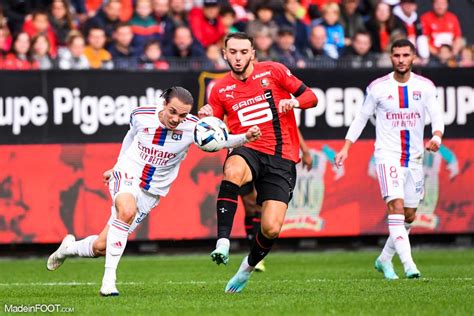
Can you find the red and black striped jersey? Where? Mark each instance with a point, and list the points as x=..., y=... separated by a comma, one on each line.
x=254, y=101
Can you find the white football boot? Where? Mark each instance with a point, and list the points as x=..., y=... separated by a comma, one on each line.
x=58, y=257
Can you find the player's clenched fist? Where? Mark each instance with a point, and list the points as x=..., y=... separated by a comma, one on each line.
x=286, y=105
x=253, y=133
x=205, y=111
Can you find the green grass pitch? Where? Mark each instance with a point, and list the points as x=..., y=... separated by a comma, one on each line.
x=308, y=283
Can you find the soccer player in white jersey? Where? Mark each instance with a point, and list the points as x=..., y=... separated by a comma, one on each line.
x=400, y=101
x=157, y=141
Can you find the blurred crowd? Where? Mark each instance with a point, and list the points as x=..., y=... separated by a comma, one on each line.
x=186, y=34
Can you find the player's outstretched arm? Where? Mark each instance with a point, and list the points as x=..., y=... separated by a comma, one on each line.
x=252, y=134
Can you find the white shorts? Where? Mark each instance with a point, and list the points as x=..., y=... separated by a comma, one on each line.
x=398, y=182
x=121, y=182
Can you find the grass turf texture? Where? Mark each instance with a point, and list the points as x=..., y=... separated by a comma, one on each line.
x=338, y=283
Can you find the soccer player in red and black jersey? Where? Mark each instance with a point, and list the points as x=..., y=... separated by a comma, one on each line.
x=256, y=94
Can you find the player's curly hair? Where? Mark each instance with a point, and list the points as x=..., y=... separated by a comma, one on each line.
x=180, y=93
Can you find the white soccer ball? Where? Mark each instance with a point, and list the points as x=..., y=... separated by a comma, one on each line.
x=210, y=134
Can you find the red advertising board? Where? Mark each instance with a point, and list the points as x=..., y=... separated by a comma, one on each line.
x=47, y=191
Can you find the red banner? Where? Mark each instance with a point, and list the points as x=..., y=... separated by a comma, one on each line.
x=47, y=191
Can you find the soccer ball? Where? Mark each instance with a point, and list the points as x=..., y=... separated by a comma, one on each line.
x=210, y=134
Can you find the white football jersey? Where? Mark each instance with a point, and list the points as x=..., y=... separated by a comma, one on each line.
x=153, y=153
x=400, y=110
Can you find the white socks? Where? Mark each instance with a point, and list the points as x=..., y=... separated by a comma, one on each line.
x=116, y=242
x=81, y=248
x=399, y=238
x=244, y=266
x=388, y=250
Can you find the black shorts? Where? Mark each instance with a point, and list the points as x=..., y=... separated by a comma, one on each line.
x=274, y=177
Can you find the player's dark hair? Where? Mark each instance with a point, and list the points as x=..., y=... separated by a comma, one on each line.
x=180, y=93
x=238, y=35
x=403, y=43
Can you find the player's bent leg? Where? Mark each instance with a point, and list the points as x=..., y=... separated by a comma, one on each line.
x=236, y=172
x=273, y=214
x=100, y=244
x=90, y=247
x=56, y=259
x=117, y=235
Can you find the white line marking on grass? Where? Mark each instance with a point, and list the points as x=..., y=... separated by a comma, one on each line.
x=65, y=283
x=196, y=282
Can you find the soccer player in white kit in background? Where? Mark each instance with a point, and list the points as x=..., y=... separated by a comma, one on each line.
x=157, y=141
x=400, y=101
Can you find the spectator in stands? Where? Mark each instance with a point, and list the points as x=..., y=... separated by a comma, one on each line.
x=178, y=13
x=290, y=18
x=60, y=18
x=143, y=25
x=151, y=58
x=106, y=19
x=126, y=12
x=466, y=57
x=19, y=58
x=97, y=55
x=5, y=39
x=93, y=6
x=263, y=18
x=4, y=45
x=161, y=11
x=206, y=24
x=285, y=49
x=184, y=46
x=79, y=9
x=39, y=52
x=381, y=26
x=215, y=58
x=358, y=55
x=334, y=30
x=228, y=18
x=39, y=24
x=442, y=28
x=3, y=19
x=406, y=16
x=263, y=42
x=444, y=58
x=73, y=57
x=124, y=55
x=351, y=20
x=321, y=3
x=18, y=10
x=318, y=47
